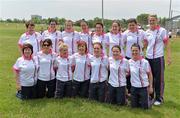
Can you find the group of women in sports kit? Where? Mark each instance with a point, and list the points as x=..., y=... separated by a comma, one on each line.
x=106, y=67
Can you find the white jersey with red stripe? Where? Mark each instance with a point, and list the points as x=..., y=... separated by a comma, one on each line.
x=55, y=38
x=114, y=39
x=99, y=69
x=133, y=37
x=139, y=72
x=88, y=39
x=101, y=39
x=156, y=42
x=64, y=71
x=118, y=70
x=46, y=66
x=82, y=67
x=27, y=70
x=33, y=39
x=71, y=39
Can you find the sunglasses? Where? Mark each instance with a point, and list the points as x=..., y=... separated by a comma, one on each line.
x=31, y=24
x=46, y=45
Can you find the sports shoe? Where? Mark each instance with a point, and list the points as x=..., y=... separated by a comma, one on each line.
x=157, y=103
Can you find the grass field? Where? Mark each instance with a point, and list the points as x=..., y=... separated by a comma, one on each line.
x=11, y=107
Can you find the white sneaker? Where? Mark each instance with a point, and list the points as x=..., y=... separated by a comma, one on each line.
x=157, y=103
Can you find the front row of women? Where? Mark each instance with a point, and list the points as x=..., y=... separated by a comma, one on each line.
x=94, y=76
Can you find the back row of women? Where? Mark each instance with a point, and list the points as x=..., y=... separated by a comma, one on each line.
x=69, y=63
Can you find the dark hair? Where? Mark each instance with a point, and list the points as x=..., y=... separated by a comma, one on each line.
x=98, y=43
x=135, y=45
x=116, y=46
x=27, y=45
x=53, y=20
x=30, y=22
x=132, y=20
x=48, y=41
x=98, y=23
x=84, y=21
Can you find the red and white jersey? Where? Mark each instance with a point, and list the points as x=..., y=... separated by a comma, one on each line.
x=114, y=39
x=156, y=42
x=27, y=70
x=118, y=70
x=55, y=38
x=139, y=72
x=101, y=39
x=46, y=66
x=33, y=39
x=64, y=71
x=133, y=37
x=82, y=67
x=99, y=69
x=88, y=39
x=71, y=39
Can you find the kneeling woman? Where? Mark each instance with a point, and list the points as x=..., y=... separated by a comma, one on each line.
x=63, y=64
x=141, y=79
x=46, y=82
x=81, y=64
x=118, y=67
x=25, y=69
x=99, y=74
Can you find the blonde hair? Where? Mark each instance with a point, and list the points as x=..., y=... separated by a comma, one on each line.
x=63, y=46
x=152, y=15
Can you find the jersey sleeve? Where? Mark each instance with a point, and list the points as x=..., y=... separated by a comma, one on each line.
x=16, y=66
x=164, y=35
x=147, y=67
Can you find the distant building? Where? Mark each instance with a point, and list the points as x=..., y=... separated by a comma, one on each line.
x=36, y=17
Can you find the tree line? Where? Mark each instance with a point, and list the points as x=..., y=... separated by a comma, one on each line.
x=142, y=20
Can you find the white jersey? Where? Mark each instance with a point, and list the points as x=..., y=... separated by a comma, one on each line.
x=99, y=69
x=156, y=39
x=101, y=39
x=133, y=37
x=88, y=39
x=27, y=70
x=71, y=40
x=33, y=39
x=139, y=72
x=64, y=71
x=82, y=67
x=114, y=39
x=45, y=64
x=55, y=38
x=118, y=70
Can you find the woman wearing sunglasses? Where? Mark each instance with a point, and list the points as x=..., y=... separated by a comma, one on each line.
x=46, y=82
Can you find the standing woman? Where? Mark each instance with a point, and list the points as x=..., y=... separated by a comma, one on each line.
x=81, y=63
x=53, y=34
x=141, y=79
x=131, y=36
x=157, y=40
x=63, y=64
x=118, y=67
x=46, y=74
x=99, y=74
x=85, y=35
x=114, y=37
x=31, y=37
x=99, y=36
x=25, y=70
x=70, y=37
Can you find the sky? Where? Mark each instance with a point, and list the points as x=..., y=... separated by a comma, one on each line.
x=87, y=9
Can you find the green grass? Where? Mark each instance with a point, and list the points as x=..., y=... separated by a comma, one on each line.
x=11, y=107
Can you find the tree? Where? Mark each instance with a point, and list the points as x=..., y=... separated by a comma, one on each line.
x=142, y=19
